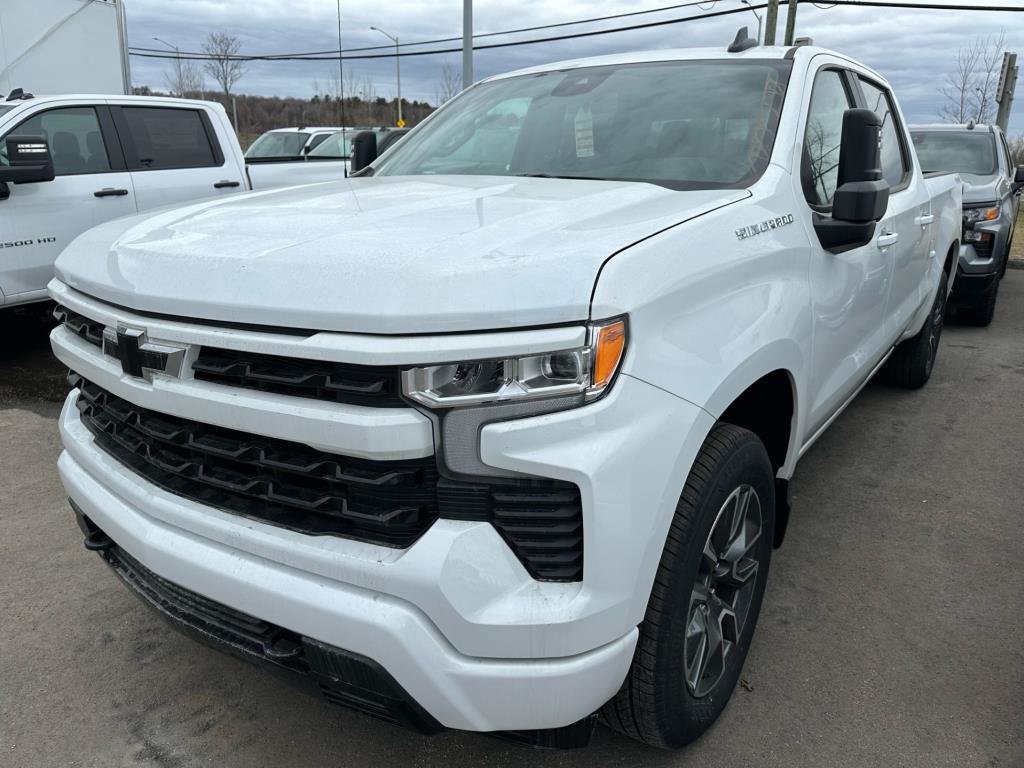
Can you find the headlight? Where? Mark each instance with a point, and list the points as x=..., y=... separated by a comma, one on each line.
x=976, y=215
x=587, y=371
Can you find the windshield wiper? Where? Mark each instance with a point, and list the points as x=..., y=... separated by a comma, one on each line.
x=554, y=176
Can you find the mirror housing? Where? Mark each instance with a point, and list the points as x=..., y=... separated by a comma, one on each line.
x=364, y=150
x=1018, y=179
x=30, y=160
x=862, y=195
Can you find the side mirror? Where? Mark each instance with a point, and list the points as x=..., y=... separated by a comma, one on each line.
x=30, y=160
x=364, y=150
x=862, y=195
x=1018, y=179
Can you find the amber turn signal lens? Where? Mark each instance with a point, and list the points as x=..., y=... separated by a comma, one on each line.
x=608, y=348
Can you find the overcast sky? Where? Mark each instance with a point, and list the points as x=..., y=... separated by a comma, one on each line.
x=913, y=48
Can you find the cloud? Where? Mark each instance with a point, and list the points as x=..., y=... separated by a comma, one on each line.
x=912, y=48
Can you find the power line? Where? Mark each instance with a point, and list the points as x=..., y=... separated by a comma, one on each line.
x=333, y=56
x=554, y=38
x=662, y=9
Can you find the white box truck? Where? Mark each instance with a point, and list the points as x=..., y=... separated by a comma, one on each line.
x=43, y=44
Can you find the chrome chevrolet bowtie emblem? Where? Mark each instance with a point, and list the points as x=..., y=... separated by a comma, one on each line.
x=140, y=357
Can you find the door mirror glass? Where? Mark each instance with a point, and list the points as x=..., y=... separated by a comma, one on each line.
x=1018, y=179
x=862, y=194
x=28, y=160
x=364, y=150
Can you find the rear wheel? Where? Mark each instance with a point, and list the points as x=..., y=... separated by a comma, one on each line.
x=912, y=361
x=706, y=598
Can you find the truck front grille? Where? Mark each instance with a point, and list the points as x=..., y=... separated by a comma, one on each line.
x=297, y=487
x=319, y=380
x=81, y=326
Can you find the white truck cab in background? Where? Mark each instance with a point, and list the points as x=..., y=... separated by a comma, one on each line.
x=111, y=156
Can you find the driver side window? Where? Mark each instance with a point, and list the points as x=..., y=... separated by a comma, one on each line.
x=75, y=138
x=819, y=170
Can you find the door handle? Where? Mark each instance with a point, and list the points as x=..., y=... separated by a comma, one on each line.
x=110, y=192
x=226, y=184
x=886, y=239
x=925, y=219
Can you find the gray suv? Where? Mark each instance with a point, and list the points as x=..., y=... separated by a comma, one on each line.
x=992, y=189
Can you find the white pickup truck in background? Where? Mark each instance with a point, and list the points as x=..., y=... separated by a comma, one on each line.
x=497, y=433
x=97, y=158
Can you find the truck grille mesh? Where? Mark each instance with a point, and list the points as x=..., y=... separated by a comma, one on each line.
x=320, y=380
x=297, y=487
x=80, y=325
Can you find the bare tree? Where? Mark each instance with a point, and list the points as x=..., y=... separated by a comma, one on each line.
x=184, y=78
x=969, y=92
x=222, y=66
x=449, y=84
x=1017, y=148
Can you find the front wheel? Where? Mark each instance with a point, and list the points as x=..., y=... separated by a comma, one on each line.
x=706, y=596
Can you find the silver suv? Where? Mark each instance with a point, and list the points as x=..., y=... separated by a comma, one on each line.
x=992, y=188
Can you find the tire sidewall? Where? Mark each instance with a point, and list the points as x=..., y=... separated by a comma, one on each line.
x=689, y=716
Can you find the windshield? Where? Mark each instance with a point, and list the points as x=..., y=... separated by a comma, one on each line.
x=682, y=124
x=278, y=145
x=337, y=145
x=956, y=152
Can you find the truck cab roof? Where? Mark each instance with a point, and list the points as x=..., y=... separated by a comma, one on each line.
x=775, y=52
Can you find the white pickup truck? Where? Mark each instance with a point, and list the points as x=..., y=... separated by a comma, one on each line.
x=497, y=434
x=97, y=158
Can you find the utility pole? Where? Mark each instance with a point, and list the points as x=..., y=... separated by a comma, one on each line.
x=791, y=22
x=771, y=22
x=1006, y=88
x=467, y=43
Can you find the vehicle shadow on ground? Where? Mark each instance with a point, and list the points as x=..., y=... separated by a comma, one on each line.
x=30, y=376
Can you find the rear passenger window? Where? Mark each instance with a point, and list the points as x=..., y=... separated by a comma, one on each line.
x=894, y=164
x=169, y=138
x=820, y=167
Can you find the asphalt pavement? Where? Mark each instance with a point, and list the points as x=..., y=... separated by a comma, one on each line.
x=891, y=633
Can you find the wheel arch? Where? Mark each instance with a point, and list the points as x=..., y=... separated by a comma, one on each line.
x=763, y=396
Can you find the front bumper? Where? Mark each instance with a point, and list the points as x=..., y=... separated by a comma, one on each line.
x=454, y=619
x=984, y=258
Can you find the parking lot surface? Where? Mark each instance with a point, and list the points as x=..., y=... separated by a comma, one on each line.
x=890, y=636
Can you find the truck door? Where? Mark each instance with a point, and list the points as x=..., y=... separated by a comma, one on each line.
x=849, y=291
x=90, y=186
x=910, y=215
x=174, y=155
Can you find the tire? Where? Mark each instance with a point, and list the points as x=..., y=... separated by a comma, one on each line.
x=984, y=310
x=665, y=701
x=913, y=360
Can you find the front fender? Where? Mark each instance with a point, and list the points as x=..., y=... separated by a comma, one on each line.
x=709, y=313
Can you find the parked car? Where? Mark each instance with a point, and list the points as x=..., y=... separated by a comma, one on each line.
x=70, y=162
x=992, y=189
x=286, y=144
x=498, y=434
x=339, y=145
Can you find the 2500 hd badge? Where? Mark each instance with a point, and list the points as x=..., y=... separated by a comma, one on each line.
x=20, y=243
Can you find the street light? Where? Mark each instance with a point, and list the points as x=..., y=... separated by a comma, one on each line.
x=177, y=63
x=398, y=72
x=747, y=3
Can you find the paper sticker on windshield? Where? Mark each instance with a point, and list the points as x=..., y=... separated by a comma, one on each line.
x=584, y=125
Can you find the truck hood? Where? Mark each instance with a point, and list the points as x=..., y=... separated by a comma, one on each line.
x=381, y=255
x=981, y=189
